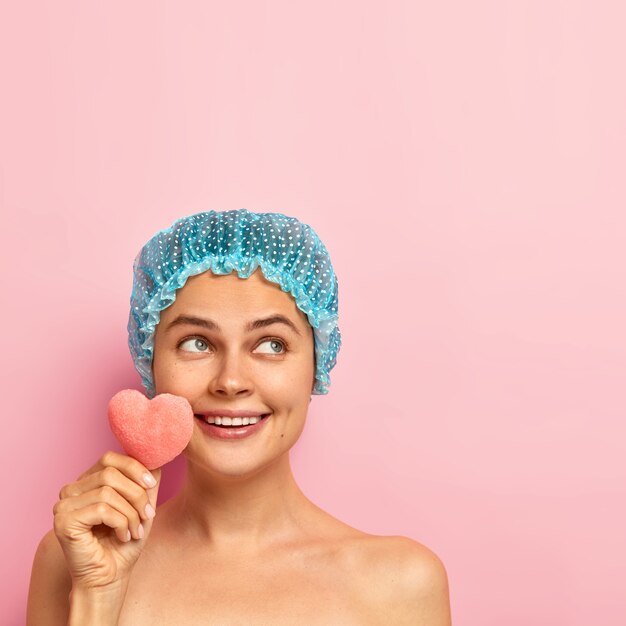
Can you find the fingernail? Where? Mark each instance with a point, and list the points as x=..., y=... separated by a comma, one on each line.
x=150, y=512
x=128, y=535
x=140, y=531
x=149, y=480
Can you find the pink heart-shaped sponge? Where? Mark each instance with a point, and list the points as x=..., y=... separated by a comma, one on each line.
x=151, y=431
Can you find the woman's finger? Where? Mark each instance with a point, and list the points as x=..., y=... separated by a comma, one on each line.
x=71, y=525
x=128, y=466
x=111, y=477
x=107, y=495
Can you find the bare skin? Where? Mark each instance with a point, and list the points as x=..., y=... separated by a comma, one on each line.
x=240, y=543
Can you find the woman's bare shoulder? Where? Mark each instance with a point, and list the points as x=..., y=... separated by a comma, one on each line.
x=404, y=556
x=403, y=577
x=395, y=557
x=50, y=584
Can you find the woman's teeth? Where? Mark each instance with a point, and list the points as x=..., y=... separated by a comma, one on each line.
x=231, y=421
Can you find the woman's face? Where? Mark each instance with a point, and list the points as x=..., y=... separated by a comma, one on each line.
x=219, y=360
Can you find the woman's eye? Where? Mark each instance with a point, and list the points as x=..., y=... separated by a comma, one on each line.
x=197, y=344
x=200, y=345
x=275, y=346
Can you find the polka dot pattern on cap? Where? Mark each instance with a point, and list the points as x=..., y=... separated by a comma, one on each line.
x=288, y=252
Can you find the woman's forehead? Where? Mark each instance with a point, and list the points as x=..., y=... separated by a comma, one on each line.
x=230, y=293
x=232, y=284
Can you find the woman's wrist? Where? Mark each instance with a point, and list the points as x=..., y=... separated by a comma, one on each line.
x=96, y=606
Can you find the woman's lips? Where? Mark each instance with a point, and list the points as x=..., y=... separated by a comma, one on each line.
x=232, y=413
x=231, y=432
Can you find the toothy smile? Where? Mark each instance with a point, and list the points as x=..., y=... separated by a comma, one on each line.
x=225, y=420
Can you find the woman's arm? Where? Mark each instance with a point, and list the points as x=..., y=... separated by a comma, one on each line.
x=50, y=585
x=428, y=596
x=409, y=583
x=101, y=523
x=53, y=602
x=424, y=581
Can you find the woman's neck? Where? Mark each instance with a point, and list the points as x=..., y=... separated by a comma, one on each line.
x=250, y=512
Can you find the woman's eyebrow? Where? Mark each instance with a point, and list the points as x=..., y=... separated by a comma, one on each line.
x=211, y=325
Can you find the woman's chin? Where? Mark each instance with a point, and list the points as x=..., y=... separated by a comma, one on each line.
x=230, y=469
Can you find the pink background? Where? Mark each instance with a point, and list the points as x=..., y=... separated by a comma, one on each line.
x=464, y=164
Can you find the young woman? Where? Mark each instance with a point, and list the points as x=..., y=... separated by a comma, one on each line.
x=237, y=312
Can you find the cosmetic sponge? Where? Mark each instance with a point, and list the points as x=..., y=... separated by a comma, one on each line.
x=152, y=431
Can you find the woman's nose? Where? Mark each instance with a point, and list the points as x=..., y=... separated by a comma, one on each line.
x=230, y=376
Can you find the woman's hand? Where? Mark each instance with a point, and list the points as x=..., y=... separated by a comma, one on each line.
x=102, y=520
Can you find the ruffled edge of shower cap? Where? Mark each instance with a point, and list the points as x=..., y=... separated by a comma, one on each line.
x=326, y=333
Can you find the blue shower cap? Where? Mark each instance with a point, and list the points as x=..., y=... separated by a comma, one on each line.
x=288, y=252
